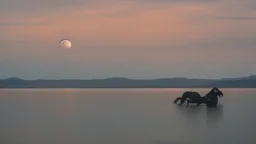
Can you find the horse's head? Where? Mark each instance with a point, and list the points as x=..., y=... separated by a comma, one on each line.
x=217, y=92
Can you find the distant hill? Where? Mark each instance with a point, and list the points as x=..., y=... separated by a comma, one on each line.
x=117, y=82
x=252, y=77
x=14, y=78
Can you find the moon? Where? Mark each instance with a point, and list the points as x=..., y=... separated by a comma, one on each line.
x=65, y=43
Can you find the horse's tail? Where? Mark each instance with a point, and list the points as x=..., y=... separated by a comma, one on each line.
x=181, y=99
x=177, y=99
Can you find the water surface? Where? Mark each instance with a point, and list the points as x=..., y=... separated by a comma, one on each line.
x=123, y=116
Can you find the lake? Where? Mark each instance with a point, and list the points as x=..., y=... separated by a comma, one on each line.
x=124, y=116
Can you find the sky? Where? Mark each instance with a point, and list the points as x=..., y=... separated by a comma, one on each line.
x=140, y=39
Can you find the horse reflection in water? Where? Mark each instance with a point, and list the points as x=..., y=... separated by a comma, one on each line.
x=214, y=115
x=211, y=98
x=214, y=123
x=208, y=120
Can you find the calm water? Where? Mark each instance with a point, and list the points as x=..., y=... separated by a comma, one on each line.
x=124, y=116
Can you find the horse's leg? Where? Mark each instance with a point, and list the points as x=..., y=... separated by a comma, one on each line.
x=187, y=103
x=198, y=104
x=177, y=99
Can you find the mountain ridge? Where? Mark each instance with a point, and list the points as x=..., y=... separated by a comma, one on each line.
x=121, y=82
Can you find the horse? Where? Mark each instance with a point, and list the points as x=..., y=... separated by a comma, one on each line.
x=211, y=98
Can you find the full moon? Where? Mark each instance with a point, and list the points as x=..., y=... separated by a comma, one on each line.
x=65, y=44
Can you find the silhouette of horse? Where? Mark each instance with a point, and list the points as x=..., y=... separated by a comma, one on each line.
x=211, y=98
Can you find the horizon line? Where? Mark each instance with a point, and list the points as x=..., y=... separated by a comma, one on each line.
x=133, y=78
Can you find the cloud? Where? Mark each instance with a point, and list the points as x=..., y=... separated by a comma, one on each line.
x=236, y=18
x=128, y=24
x=10, y=24
x=35, y=6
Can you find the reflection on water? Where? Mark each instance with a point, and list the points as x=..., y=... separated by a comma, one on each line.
x=171, y=142
x=123, y=116
x=215, y=115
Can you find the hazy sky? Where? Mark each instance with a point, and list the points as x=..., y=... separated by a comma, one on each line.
x=127, y=38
